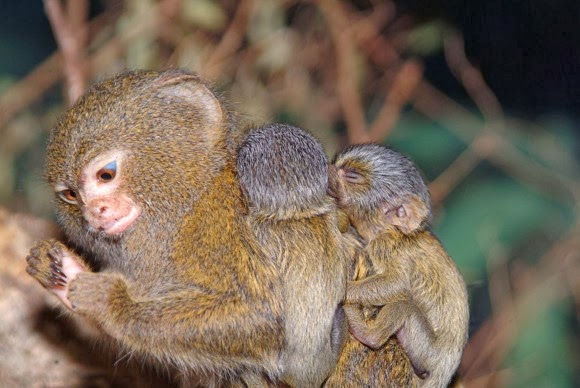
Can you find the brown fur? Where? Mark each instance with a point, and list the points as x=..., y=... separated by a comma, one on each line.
x=283, y=171
x=188, y=284
x=418, y=289
x=422, y=297
x=361, y=366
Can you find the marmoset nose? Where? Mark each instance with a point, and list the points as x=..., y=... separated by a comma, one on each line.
x=99, y=208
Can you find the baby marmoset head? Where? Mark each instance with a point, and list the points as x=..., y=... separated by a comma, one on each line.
x=379, y=187
x=283, y=172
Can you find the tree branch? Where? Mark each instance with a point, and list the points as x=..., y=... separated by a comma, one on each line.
x=347, y=85
x=71, y=32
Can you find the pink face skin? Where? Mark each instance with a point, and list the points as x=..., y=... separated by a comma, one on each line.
x=103, y=205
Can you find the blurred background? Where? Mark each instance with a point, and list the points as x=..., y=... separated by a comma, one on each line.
x=484, y=96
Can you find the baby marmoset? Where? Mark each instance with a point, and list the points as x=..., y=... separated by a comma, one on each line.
x=420, y=292
x=283, y=172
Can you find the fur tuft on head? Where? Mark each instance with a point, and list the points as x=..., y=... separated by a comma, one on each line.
x=374, y=178
x=283, y=172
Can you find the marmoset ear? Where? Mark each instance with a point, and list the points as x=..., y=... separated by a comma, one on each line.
x=190, y=89
x=408, y=216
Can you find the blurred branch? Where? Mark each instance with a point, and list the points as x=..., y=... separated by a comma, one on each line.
x=492, y=146
x=30, y=88
x=470, y=77
x=497, y=149
x=404, y=84
x=458, y=170
x=367, y=32
x=435, y=104
x=44, y=76
x=348, y=37
x=500, y=294
x=347, y=70
x=69, y=24
x=546, y=285
x=230, y=42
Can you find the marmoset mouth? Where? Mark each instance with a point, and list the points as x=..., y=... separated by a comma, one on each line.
x=119, y=225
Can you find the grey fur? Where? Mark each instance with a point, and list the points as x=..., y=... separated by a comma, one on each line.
x=393, y=176
x=283, y=171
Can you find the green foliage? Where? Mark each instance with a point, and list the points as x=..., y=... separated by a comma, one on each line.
x=541, y=356
x=430, y=145
x=487, y=212
x=487, y=209
x=427, y=38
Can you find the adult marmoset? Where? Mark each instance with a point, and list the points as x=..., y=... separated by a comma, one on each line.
x=144, y=172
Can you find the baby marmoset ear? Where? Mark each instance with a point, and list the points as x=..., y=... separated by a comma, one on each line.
x=409, y=216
